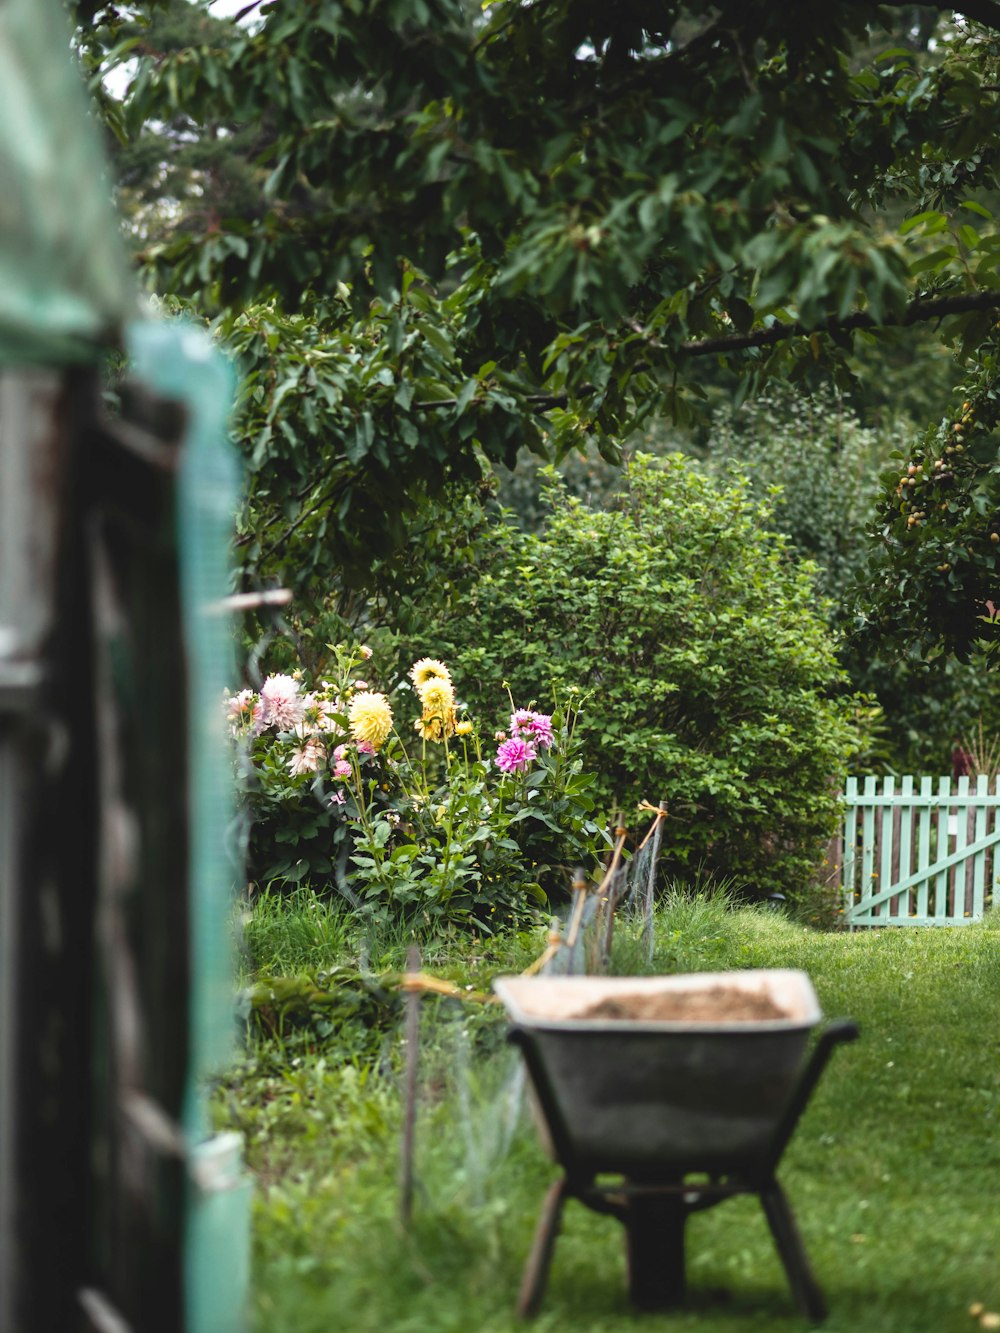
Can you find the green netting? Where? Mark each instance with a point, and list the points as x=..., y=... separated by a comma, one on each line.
x=64, y=283
x=178, y=361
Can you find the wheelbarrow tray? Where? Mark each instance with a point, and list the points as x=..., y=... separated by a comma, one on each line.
x=649, y=1097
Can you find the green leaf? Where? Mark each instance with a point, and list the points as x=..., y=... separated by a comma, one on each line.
x=931, y=220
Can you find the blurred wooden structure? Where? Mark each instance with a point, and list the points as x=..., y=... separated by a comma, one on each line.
x=118, y=1207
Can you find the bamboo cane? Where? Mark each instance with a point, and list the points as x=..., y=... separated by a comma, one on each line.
x=410, y=1102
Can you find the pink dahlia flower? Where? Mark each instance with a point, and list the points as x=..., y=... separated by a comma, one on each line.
x=238, y=706
x=316, y=716
x=514, y=755
x=341, y=769
x=536, y=726
x=240, y=709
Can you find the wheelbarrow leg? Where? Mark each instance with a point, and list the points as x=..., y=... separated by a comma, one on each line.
x=536, y=1270
x=654, y=1241
x=781, y=1220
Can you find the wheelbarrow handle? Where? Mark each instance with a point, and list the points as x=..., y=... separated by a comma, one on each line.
x=836, y=1032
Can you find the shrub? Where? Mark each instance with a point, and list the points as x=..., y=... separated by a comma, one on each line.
x=701, y=645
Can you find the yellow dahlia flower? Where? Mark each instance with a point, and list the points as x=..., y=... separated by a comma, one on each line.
x=371, y=719
x=429, y=728
x=464, y=728
x=425, y=671
x=437, y=696
x=438, y=720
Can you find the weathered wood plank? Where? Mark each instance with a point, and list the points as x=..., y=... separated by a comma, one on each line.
x=951, y=799
x=903, y=829
x=884, y=872
x=958, y=826
x=849, y=862
x=924, y=847
x=974, y=905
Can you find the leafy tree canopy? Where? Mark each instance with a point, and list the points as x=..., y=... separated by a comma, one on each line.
x=480, y=226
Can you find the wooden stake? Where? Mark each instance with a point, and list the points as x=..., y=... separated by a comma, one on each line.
x=647, y=906
x=576, y=916
x=610, y=890
x=410, y=1092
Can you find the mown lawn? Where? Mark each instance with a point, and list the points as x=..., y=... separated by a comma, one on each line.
x=894, y=1173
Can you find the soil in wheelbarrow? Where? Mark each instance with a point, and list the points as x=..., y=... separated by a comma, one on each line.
x=717, y=1004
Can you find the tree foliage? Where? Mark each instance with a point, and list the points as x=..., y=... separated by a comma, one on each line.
x=811, y=455
x=533, y=222
x=821, y=467
x=939, y=565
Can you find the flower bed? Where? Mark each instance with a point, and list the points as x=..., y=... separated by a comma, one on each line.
x=459, y=819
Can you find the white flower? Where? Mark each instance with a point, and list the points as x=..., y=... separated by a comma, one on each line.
x=317, y=717
x=307, y=758
x=281, y=706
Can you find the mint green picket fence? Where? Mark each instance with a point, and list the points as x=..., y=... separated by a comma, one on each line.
x=925, y=852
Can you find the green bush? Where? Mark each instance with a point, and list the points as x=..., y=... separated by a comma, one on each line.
x=706, y=670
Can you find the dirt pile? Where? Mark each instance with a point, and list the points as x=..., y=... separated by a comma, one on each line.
x=718, y=1004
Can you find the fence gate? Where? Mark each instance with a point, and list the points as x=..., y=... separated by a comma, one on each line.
x=920, y=858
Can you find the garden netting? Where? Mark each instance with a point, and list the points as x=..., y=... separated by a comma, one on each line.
x=64, y=284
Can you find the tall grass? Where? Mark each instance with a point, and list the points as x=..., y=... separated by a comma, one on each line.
x=695, y=931
x=282, y=932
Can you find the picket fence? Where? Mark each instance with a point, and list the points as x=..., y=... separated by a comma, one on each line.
x=914, y=857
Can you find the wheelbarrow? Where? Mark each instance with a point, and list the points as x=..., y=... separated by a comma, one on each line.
x=686, y=1091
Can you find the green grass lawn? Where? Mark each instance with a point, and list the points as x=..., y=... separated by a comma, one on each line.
x=894, y=1173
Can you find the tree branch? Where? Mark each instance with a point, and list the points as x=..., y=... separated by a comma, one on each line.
x=539, y=402
x=247, y=9
x=289, y=532
x=916, y=312
x=986, y=12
